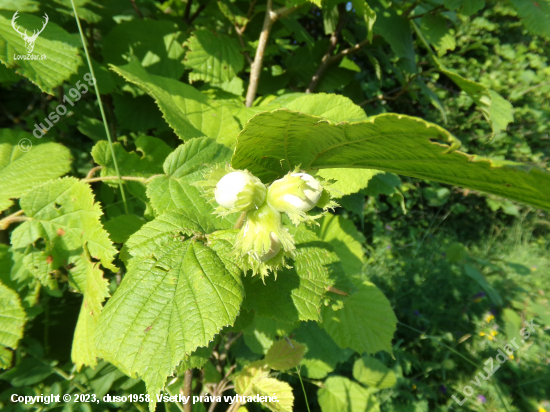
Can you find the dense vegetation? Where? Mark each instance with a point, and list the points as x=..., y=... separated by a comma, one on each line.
x=121, y=276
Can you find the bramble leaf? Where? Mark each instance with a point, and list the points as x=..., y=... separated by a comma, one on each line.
x=156, y=43
x=370, y=371
x=189, y=112
x=61, y=51
x=12, y=320
x=535, y=15
x=213, y=57
x=322, y=354
x=341, y=394
x=346, y=240
x=63, y=213
x=395, y=143
x=184, y=166
x=366, y=323
x=297, y=292
x=170, y=302
x=21, y=171
x=91, y=283
x=282, y=356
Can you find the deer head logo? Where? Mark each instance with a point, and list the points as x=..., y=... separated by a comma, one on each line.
x=29, y=40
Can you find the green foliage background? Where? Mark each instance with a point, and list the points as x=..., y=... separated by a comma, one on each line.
x=429, y=117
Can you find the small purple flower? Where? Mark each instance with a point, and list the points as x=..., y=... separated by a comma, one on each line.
x=389, y=247
x=388, y=227
x=481, y=398
x=416, y=313
x=443, y=389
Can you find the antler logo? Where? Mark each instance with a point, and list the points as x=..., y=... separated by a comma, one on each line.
x=29, y=40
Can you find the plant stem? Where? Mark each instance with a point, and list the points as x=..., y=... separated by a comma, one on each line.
x=62, y=373
x=187, y=11
x=303, y=388
x=187, y=386
x=256, y=67
x=326, y=58
x=14, y=217
x=100, y=179
x=136, y=8
x=100, y=107
x=196, y=14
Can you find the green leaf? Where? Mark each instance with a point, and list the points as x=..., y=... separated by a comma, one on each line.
x=333, y=107
x=189, y=112
x=501, y=112
x=466, y=7
x=170, y=303
x=61, y=51
x=154, y=234
x=496, y=109
x=322, y=353
x=173, y=191
x=250, y=374
x=435, y=29
x=12, y=321
x=156, y=43
x=366, y=323
x=396, y=30
x=480, y=279
x=363, y=9
x=62, y=213
x=138, y=113
x=456, y=252
x=121, y=227
x=27, y=373
x=21, y=171
x=198, y=358
x=262, y=333
x=253, y=380
x=395, y=143
x=281, y=390
x=95, y=290
x=341, y=394
x=213, y=57
x=346, y=240
x=370, y=371
x=282, y=356
x=535, y=15
x=348, y=181
x=297, y=293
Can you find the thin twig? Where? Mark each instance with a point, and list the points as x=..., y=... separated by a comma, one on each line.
x=136, y=8
x=187, y=11
x=101, y=108
x=418, y=16
x=13, y=218
x=325, y=61
x=411, y=9
x=92, y=171
x=351, y=50
x=240, y=31
x=256, y=68
x=196, y=14
x=187, y=386
x=100, y=179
